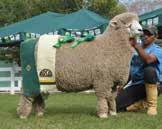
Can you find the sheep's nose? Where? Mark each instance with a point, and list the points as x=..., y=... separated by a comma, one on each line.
x=140, y=30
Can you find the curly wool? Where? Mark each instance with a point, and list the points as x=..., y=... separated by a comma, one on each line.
x=97, y=64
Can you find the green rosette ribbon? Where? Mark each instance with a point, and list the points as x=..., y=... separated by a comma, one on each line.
x=86, y=37
x=65, y=39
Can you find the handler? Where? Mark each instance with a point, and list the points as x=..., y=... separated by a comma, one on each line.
x=142, y=90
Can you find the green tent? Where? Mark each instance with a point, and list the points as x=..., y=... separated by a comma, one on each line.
x=82, y=19
x=38, y=24
x=51, y=22
x=152, y=18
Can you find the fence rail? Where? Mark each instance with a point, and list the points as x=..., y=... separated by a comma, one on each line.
x=15, y=81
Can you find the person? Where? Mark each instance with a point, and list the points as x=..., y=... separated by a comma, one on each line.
x=141, y=91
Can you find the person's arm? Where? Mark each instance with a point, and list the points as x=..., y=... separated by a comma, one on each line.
x=148, y=58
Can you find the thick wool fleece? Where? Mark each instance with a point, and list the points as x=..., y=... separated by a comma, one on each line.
x=97, y=64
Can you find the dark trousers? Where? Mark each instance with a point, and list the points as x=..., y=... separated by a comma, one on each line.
x=130, y=95
x=135, y=93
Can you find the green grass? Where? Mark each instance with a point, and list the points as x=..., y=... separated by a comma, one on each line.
x=74, y=111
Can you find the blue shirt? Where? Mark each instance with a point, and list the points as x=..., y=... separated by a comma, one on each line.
x=137, y=64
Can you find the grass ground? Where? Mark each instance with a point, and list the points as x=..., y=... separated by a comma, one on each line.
x=74, y=111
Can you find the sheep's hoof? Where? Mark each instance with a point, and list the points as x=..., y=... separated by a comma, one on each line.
x=104, y=115
x=23, y=117
x=112, y=113
x=40, y=114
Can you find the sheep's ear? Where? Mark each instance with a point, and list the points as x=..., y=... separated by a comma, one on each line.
x=114, y=24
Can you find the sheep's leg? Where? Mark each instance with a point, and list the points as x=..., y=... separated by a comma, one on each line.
x=39, y=105
x=102, y=107
x=112, y=106
x=24, y=107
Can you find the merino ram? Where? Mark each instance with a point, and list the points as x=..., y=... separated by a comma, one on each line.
x=99, y=64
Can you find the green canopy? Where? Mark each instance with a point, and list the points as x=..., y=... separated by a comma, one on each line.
x=82, y=19
x=51, y=22
x=152, y=18
x=38, y=24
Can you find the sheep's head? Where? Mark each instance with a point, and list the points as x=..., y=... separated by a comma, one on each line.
x=130, y=21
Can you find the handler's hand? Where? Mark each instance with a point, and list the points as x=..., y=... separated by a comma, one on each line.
x=133, y=42
x=120, y=88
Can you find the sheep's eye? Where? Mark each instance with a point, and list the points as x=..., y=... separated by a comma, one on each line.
x=123, y=22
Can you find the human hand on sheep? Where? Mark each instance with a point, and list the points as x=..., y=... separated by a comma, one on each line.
x=133, y=42
x=120, y=88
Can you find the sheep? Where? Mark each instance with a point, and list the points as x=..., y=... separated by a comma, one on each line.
x=99, y=64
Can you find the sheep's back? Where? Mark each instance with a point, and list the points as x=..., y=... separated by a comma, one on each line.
x=74, y=67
